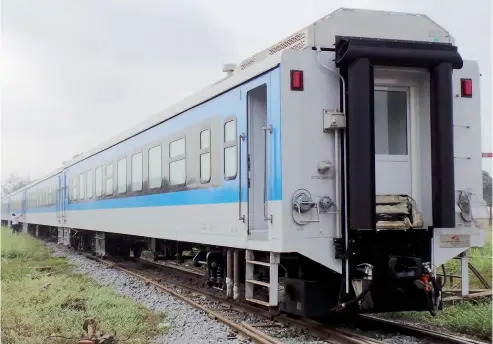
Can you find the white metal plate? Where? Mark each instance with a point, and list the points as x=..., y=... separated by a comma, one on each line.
x=455, y=241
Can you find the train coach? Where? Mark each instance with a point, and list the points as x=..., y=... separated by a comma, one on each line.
x=333, y=171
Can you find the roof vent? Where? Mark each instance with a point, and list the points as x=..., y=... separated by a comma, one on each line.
x=229, y=68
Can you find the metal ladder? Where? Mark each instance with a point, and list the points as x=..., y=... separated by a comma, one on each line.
x=273, y=284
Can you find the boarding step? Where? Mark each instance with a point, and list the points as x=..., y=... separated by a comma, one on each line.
x=263, y=284
x=397, y=212
x=272, y=285
x=260, y=302
x=256, y=262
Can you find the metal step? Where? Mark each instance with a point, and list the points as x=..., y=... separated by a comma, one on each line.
x=263, y=284
x=397, y=212
x=273, y=283
x=260, y=302
x=256, y=262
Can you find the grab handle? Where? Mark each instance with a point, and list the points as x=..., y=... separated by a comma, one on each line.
x=241, y=217
x=267, y=130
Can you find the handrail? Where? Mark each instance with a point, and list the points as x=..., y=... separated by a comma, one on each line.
x=241, y=217
x=267, y=129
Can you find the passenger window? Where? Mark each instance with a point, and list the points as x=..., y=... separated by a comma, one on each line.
x=89, y=184
x=82, y=187
x=205, y=156
x=109, y=180
x=177, y=165
x=155, y=168
x=70, y=196
x=74, y=188
x=137, y=172
x=205, y=139
x=99, y=181
x=230, y=162
x=122, y=175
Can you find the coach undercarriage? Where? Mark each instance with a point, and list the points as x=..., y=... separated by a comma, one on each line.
x=391, y=271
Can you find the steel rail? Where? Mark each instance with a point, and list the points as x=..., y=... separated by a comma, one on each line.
x=265, y=339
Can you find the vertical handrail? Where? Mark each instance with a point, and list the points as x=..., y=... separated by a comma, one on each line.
x=57, y=202
x=241, y=217
x=63, y=197
x=267, y=130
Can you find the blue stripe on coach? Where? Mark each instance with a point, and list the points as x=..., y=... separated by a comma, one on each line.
x=191, y=197
x=224, y=105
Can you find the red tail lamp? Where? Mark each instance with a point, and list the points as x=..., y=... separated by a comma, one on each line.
x=466, y=88
x=296, y=80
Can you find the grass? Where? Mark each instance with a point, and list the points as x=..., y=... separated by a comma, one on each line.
x=480, y=258
x=36, y=304
x=473, y=317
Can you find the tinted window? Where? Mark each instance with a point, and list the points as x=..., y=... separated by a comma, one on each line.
x=155, y=167
x=205, y=156
x=137, y=172
x=99, y=181
x=177, y=165
x=82, y=186
x=230, y=162
x=109, y=180
x=122, y=175
x=89, y=184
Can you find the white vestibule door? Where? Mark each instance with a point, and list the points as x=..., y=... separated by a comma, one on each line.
x=392, y=141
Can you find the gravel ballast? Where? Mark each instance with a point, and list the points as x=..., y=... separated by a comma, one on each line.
x=187, y=324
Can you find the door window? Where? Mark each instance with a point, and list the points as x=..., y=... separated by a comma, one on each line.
x=391, y=122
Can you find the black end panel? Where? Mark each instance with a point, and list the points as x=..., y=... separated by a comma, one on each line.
x=356, y=56
x=442, y=146
x=361, y=145
x=386, y=52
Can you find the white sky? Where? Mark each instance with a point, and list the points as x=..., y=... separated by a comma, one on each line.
x=78, y=72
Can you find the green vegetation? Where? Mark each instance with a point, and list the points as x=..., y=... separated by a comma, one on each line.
x=472, y=318
x=468, y=317
x=38, y=302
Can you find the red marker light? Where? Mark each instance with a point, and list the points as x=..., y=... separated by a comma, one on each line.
x=466, y=88
x=296, y=80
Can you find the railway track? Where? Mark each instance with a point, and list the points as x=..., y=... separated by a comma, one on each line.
x=416, y=331
x=236, y=314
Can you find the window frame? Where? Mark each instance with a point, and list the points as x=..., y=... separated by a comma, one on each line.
x=203, y=151
x=177, y=158
x=124, y=159
x=82, y=187
x=161, y=169
x=87, y=184
x=100, y=168
x=229, y=144
x=75, y=189
x=112, y=164
x=141, y=172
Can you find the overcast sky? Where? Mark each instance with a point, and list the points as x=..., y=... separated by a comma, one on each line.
x=76, y=72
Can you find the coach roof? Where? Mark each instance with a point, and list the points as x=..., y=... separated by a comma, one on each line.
x=322, y=33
